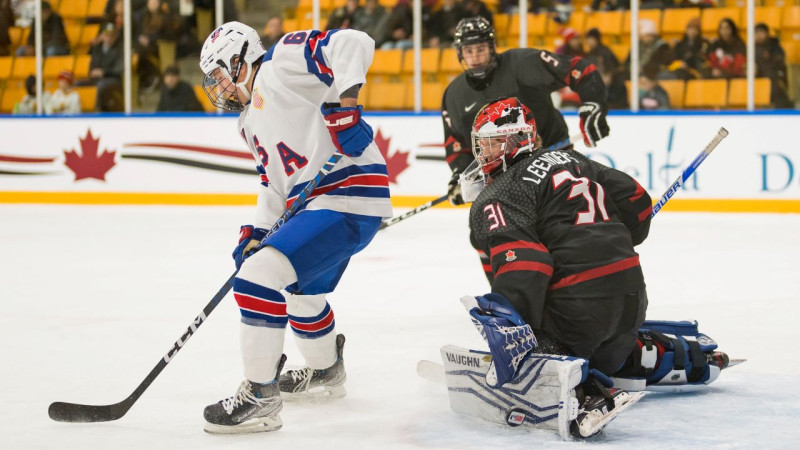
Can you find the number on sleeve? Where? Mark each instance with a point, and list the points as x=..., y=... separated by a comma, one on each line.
x=295, y=38
x=548, y=59
x=495, y=216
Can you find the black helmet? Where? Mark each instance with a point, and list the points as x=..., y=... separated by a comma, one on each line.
x=475, y=30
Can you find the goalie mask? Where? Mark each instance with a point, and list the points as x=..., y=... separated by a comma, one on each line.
x=226, y=51
x=500, y=133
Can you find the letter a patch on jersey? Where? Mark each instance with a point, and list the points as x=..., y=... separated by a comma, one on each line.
x=289, y=157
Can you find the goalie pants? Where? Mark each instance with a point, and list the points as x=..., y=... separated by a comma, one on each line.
x=600, y=329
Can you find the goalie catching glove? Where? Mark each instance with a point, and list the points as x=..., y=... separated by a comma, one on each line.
x=249, y=238
x=507, y=334
x=349, y=132
x=593, y=123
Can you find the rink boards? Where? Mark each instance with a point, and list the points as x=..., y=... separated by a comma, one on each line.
x=202, y=160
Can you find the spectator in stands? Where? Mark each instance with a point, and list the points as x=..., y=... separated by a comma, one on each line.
x=654, y=52
x=273, y=31
x=610, y=5
x=370, y=19
x=156, y=22
x=726, y=54
x=64, y=100
x=28, y=103
x=690, y=53
x=54, y=38
x=599, y=53
x=573, y=44
x=105, y=69
x=6, y=22
x=477, y=8
x=398, y=27
x=616, y=92
x=441, y=26
x=652, y=97
x=771, y=63
x=342, y=17
x=176, y=94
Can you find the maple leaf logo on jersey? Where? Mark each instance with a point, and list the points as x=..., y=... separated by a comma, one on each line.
x=395, y=164
x=89, y=164
x=511, y=256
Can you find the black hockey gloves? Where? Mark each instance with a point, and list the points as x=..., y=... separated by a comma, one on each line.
x=349, y=132
x=249, y=238
x=593, y=122
x=454, y=190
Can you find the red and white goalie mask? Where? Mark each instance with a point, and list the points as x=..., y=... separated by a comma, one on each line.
x=501, y=132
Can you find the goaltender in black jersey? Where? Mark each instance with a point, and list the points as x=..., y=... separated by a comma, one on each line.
x=529, y=74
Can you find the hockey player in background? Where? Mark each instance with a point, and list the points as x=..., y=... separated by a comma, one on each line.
x=526, y=73
x=559, y=232
x=298, y=104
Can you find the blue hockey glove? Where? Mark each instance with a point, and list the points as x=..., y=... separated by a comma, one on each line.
x=349, y=132
x=507, y=334
x=593, y=122
x=249, y=238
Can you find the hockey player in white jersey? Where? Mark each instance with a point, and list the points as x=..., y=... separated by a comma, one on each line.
x=299, y=104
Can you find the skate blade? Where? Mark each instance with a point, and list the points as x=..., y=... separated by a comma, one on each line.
x=596, y=428
x=321, y=393
x=258, y=425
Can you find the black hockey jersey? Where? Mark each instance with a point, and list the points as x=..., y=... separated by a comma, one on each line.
x=528, y=74
x=558, y=225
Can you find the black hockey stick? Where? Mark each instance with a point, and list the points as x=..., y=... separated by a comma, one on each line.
x=74, y=412
x=389, y=222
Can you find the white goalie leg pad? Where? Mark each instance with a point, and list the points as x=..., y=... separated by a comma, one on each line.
x=542, y=396
x=318, y=352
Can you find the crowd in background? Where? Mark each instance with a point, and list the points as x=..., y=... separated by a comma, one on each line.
x=174, y=21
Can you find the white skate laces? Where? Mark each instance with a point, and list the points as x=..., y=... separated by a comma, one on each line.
x=302, y=377
x=244, y=395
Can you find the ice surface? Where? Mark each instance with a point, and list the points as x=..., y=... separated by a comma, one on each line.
x=93, y=296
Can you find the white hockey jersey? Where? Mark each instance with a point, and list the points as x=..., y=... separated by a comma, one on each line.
x=284, y=128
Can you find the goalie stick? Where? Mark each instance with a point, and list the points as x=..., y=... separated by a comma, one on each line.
x=389, y=222
x=75, y=412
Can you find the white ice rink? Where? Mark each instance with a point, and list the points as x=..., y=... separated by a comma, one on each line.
x=92, y=297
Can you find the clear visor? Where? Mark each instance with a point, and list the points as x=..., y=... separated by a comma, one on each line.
x=221, y=90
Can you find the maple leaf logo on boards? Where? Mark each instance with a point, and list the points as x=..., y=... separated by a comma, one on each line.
x=395, y=164
x=89, y=164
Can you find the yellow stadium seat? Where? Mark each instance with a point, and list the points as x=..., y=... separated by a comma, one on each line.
x=792, y=49
x=73, y=9
x=620, y=51
x=11, y=95
x=706, y=94
x=432, y=93
x=88, y=96
x=737, y=92
x=449, y=62
x=790, y=28
x=23, y=67
x=771, y=15
x=429, y=58
x=577, y=21
x=90, y=31
x=82, y=63
x=675, y=90
x=289, y=25
x=711, y=17
x=73, y=33
x=6, y=62
x=501, y=22
x=609, y=23
x=388, y=4
x=96, y=8
x=387, y=95
x=673, y=25
x=15, y=35
x=650, y=14
x=387, y=63
x=53, y=65
x=536, y=26
x=204, y=100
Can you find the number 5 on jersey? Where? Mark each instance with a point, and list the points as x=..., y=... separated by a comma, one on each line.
x=580, y=188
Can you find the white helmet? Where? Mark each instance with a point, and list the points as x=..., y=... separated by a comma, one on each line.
x=225, y=51
x=502, y=130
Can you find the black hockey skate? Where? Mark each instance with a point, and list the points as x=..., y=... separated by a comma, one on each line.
x=253, y=409
x=310, y=384
x=600, y=408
